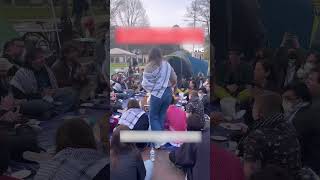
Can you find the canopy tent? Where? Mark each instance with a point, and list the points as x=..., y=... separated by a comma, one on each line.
x=120, y=52
x=185, y=65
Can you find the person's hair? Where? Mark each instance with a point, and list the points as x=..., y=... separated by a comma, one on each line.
x=155, y=55
x=75, y=133
x=31, y=55
x=194, y=122
x=316, y=54
x=9, y=44
x=193, y=93
x=269, y=103
x=271, y=172
x=204, y=90
x=300, y=90
x=117, y=147
x=133, y=103
x=194, y=83
x=268, y=67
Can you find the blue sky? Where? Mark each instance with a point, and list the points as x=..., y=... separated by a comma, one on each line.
x=166, y=13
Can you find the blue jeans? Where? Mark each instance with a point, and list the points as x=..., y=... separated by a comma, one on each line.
x=158, y=109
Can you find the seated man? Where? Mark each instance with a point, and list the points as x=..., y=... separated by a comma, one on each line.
x=193, y=157
x=12, y=59
x=233, y=78
x=68, y=71
x=37, y=84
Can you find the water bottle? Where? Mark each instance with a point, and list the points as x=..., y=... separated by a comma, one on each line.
x=152, y=154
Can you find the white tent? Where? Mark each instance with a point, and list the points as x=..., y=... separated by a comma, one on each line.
x=120, y=52
x=118, y=55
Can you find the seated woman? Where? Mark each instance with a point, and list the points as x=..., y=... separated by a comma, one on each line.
x=77, y=156
x=135, y=118
x=193, y=157
x=37, y=83
x=126, y=160
x=176, y=118
x=273, y=133
x=195, y=106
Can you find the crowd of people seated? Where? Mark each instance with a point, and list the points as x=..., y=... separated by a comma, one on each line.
x=31, y=88
x=280, y=90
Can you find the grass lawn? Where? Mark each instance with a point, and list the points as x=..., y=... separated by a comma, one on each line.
x=113, y=67
x=42, y=12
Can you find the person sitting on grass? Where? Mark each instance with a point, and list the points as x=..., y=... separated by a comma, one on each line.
x=195, y=106
x=193, y=157
x=37, y=83
x=76, y=156
x=176, y=118
x=135, y=118
x=126, y=160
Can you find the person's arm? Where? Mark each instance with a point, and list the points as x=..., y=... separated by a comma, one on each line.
x=140, y=167
x=20, y=95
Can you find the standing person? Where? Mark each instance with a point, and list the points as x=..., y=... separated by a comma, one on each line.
x=158, y=79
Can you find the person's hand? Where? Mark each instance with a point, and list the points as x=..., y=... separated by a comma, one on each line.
x=8, y=103
x=232, y=88
x=11, y=116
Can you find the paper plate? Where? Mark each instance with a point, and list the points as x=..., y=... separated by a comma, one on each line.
x=219, y=138
x=21, y=174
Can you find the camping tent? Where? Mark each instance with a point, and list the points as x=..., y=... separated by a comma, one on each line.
x=185, y=65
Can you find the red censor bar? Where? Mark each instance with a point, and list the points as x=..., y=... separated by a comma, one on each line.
x=159, y=35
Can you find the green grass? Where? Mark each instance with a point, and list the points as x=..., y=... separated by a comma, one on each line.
x=43, y=12
x=113, y=67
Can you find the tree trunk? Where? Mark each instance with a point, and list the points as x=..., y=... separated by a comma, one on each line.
x=13, y=2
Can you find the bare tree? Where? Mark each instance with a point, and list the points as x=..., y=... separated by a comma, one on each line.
x=199, y=12
x=114, y=9
x=130, y=13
